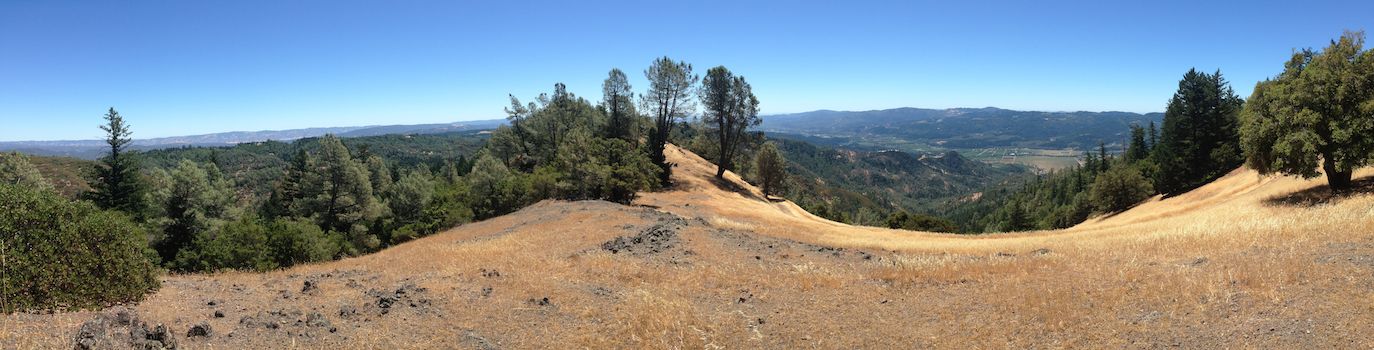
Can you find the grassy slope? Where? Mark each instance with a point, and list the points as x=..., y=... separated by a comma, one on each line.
x=1242, y=262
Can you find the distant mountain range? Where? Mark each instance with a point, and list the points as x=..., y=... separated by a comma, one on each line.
x=966, y=127
x=91, y=149
x=944, y=128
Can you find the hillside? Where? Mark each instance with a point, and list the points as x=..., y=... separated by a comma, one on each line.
x=880, y=182
x=92, y=149
x=1242, y=262
x=963, y=128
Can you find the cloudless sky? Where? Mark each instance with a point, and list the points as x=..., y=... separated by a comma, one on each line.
x=192, y=67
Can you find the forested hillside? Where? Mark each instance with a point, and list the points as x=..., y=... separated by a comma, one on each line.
x=867, y=187
x=965, y=127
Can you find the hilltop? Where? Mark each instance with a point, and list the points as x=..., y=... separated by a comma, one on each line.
x=1244, y=261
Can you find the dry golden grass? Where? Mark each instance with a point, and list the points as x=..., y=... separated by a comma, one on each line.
x=1223, y=266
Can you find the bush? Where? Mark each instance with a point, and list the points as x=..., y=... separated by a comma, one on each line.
x=919, y=222
x=298, y=241
x=68, y=255
x=241, y=245
x=1118, y=189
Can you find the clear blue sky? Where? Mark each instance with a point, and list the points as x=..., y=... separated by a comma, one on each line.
x=191, y=67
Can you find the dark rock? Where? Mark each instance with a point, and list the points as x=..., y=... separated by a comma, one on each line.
x=347, y=310
x=219, y=314
x=655, y=239
x=199, y=330
x=160, y=338
x=310, y=286
x=92, y=334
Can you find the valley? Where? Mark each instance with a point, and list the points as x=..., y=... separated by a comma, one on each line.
x=1235, y=263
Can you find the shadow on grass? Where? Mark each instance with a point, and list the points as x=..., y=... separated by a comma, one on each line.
x=1319, y=195
x=733, y=187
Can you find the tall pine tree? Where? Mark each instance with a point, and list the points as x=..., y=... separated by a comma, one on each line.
x=1199, y=141
x=117, y=184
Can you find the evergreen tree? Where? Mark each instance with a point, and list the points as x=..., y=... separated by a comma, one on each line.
x=338, y=192
x=1319, y=110
x=1119, y=188
x=1199, y=141
x=1139, y=149
x=188, y=201
x=1017, y=219
x=1154, y=136
x=411, y=195
x=668, y=99
x=283, y=201
x=1102, y=159
x=117, y=184
x=771, y=168
x=731, y=108
x=622, y=121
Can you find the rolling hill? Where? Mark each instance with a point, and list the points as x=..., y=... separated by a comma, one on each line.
x=92, y=149
x=1243, y=262
x=962, y=128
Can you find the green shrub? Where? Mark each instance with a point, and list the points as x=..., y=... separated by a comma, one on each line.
x=58, y=254
x=299, y=241
x=241, y=244
x=1119, y=188
x=919, y=222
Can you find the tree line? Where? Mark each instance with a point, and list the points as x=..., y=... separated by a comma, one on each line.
x=319, y=199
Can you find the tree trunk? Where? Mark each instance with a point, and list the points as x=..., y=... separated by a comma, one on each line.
x=1335, y=179
x=720, y=171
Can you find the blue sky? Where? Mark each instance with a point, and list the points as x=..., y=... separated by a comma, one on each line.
x=192, y=67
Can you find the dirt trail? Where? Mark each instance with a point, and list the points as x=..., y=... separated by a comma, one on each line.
x=713, y=264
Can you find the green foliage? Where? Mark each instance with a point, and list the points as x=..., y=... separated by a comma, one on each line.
x=919, y=222
x=117, y=184
x=1320, y=109
x=1119, y=188
x=16, y=170
x=1200, y=140
x=240, y=245
x=600, y=168
x=411, y=195
x=622, y=120
x=1138, y=149
x=770, y=167
x=337, y=193
x=298, y=241
x=68, y=255
x=185, y=202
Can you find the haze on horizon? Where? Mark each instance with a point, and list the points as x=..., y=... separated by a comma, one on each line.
x=175, y=68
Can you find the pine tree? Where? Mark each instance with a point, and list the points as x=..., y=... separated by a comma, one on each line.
x=1138, y=150
x=1199, y=141
x=117, y=183
x=668, y=100
x=338, y=192
x=286, y=193
x=731, y=108
x=188, y=201
x=622, y=121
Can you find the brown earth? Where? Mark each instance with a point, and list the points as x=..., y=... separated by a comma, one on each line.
x=1245, y=262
